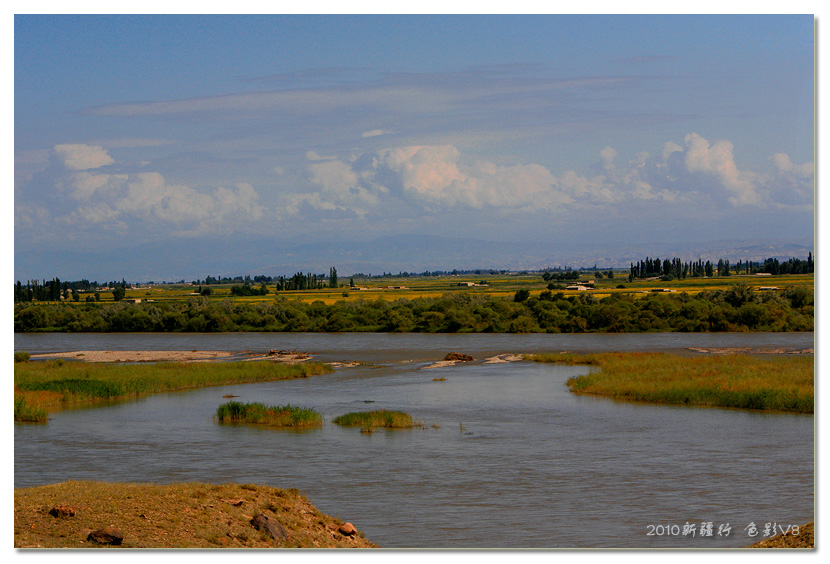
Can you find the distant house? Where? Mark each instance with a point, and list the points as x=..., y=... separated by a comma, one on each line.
x=769, y=288
x=662, y=290
x=133, y=301
x=763, y=274
x=578, y=287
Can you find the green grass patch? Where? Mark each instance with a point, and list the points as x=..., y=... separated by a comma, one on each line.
x=379, y=418
x=24, y=411
x=59, y=384
x=775, y=383
x=271, y=415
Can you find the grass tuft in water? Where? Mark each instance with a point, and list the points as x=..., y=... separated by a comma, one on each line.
x=367, y=420
x=24, y=411
x=271, y=415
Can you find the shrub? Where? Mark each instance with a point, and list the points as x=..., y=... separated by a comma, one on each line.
x=21, y=356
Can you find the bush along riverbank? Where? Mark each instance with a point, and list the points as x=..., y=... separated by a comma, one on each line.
x=775, y=383
x=193, y=515
x=40, y=387
x=736, y=309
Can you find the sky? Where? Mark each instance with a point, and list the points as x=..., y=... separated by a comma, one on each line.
x=140, y=138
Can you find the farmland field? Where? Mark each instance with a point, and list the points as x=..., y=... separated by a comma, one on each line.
x=396, y=288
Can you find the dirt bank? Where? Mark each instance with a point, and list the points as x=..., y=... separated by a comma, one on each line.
x=191, y=515
x=804, y=539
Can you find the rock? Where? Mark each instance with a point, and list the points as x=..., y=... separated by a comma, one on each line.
x=234, y=502
x=264, y=523
x=62, y=511
x=459, y=357
x=107, y=535
x=347, y=529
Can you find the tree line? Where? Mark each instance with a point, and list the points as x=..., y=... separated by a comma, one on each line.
x=739, y=308
x=55, y=290
x=675, y=268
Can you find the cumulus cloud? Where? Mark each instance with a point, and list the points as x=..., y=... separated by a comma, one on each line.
x=374, y=133
x=114, y=199
x=148, y=196
x=785, y=166
x=85, y=185
x=670, y=147
x=82, y=157
x=439, y=177
x=717, y=160
x=314, y=156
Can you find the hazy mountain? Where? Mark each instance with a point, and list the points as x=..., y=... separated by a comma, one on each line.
x=194, y=259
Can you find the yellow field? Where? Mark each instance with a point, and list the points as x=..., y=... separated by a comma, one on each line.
x=496, y=285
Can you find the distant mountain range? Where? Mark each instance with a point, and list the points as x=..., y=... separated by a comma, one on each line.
x=192, y=259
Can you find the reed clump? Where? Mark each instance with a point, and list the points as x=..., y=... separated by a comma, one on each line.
x=57, y=384
x=775, y=383
x=271, y=415
x=380, y=418
x=26, y=412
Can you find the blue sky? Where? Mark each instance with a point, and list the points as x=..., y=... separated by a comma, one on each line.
x=593, y=131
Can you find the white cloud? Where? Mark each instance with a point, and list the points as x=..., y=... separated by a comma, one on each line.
x=608, y=154
x=717, y=160
x=113, y=200
x=670, y=147
x=86, y=184
x=82, y=157
x=374, y=133
x=314, y=156
x=785, y=165
x=340, y=188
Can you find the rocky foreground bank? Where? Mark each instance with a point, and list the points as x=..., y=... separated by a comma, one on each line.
x=192, y=515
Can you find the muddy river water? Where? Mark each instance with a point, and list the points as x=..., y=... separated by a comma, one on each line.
x=507, y=456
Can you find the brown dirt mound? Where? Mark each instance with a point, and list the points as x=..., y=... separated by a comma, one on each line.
x=191, y=515
x=804, y=539
x=458, y=357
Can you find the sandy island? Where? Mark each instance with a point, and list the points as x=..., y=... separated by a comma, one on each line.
x=750, y=350
x=173, y=356
x=498, y=359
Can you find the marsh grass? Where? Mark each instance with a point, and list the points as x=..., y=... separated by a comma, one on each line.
x=776, y=383
x=271, y=415
x=24, y=411
x=368, y=420
x=55, y=385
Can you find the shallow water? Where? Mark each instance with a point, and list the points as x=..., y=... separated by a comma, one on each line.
x=507, y=458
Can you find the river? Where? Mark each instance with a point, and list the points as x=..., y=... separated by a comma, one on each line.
x=507, y=456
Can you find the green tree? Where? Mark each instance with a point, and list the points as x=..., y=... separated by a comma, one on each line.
x=521, y=295
x=118, y=293
x=332, y=277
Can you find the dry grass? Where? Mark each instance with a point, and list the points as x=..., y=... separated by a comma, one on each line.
x=190, y=515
